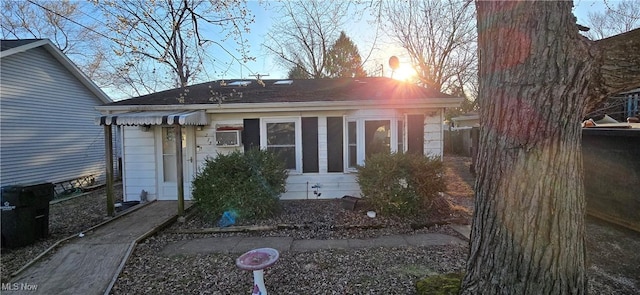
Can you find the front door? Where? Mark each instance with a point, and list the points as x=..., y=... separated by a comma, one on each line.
x=167, y=172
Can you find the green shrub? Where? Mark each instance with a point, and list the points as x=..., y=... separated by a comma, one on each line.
x=447, y=284
x=249, y=183
x=401, y=184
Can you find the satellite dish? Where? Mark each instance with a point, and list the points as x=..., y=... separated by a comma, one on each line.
x=394, y=62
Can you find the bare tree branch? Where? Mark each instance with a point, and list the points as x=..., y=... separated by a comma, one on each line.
x=304, y=33
x=61, y=22
x=174, y=34
x=439, y=37
x=623, y=17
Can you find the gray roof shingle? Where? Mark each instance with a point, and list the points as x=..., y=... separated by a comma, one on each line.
x=344, y=89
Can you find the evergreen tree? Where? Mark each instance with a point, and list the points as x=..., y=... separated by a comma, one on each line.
x=343, y=59
x=298, y=72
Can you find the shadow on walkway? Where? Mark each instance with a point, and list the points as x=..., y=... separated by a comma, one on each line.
x=89, y=264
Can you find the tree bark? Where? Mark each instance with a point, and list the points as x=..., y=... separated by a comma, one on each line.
x=618, y=67
x=528, y=231
x=538, y=77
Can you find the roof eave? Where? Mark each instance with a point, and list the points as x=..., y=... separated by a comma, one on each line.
x=289, y=106
x=23, y=48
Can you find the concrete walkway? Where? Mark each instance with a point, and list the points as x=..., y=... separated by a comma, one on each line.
x=88, y=265
x=282, y=244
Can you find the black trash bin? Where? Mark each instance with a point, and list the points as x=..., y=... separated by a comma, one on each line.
x=25, y=213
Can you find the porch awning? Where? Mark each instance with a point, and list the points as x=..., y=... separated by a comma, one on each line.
x=155, y=118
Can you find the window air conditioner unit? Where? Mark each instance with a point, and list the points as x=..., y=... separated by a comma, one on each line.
x=228, y=138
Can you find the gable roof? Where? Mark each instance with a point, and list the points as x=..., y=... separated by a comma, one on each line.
x=292, y=91
x=11, y=47
x=467, y=116
x=9, y=44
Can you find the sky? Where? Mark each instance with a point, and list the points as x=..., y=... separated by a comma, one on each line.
x=359, y=31
x=358, y=27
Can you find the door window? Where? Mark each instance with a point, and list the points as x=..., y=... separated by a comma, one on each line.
x=169, y=153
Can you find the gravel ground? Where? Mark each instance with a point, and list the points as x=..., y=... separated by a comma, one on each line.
x=353, y=271
x=612, y=252
x=613, y=262
x=612, y=266
x=370, y=271
x=66, y=218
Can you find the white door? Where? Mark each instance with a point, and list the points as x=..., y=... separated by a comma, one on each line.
x=167, y=172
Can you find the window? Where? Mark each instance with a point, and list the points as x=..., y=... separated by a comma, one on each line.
x=400, y=148
x=377, y=137
x=352, y=134
x=283, y=136
x=169, y=153
x=366, y=137
x=227, y=138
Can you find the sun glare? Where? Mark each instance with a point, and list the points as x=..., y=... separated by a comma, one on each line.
x=404, y=73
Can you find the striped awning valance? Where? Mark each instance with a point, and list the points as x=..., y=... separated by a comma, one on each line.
x=155, y=118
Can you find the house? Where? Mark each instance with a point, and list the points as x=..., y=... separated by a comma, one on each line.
x=322, y=128
x=461, y=135
x=47, y=107
x=468, y=120
x=618, y=107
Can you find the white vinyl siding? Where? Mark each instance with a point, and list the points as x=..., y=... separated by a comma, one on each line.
x=401, y=136
x=323, y=157
x=141, y=168
x=433, y=134
x=47, y=122
x=332, y=185
x=206, y=138
x=139, y=161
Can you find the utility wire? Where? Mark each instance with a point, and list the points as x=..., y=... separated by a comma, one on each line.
x=73, y=21
x=120, y=43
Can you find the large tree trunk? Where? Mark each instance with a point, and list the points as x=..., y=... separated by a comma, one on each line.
x=538, y=77
x=528, y=230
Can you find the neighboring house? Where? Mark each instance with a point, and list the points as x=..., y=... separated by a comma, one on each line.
x=631, y=103
x=47, y=109
x=322, y=128
x=467, y=120
x=619, y=107
x=460, y=136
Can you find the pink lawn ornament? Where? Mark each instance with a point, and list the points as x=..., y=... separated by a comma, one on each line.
x=257, y=260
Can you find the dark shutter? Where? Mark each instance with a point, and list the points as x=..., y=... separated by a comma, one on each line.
x=415, y=134
x=251, y=134
x=310, y=144
x=335, y=143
